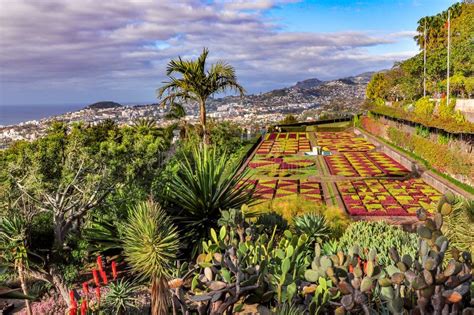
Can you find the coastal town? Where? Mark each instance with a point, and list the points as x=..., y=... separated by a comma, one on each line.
x=307, y=100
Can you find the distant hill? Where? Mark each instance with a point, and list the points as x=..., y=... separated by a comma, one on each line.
x=343, y=93
x=104, y=104
x=308, y=84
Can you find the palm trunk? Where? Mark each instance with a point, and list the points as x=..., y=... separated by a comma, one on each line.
x=202, y=110
x=21, y=275
x=159, y=296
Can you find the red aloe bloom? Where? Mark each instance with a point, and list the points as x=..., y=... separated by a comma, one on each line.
x=84, y=307
x=85, y=288
x=71, y=296
x=97, y=292
x=104, y=277
x=114, y=270
x=96, y=277
x=99, y=263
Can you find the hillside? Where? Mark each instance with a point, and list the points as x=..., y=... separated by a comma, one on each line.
x=103, y=105
x=348, y=92
x=404, y=82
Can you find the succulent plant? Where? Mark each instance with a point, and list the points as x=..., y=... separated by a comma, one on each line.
x=353, y=277
x=438, y=288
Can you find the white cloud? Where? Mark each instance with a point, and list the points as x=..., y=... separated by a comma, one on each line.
x=122, y=43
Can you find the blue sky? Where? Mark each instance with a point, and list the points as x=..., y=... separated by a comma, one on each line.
x=85, y=51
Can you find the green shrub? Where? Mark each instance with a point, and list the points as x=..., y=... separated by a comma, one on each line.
x=440, y=156
x=380, y=236
x=424, y=107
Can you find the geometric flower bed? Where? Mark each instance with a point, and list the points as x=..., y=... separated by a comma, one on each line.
x=284, y=143
x=342, y=142
x=372, y=197
x=364, y=164
x=275, y=188
x=389, y=166
x=284, y=163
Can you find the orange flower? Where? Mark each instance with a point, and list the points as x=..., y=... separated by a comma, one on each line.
x=96, y=277
x=114, y=270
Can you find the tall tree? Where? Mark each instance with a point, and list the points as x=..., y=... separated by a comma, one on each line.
x=191, y=80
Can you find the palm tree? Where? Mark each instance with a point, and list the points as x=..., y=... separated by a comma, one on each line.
x=196, y=83
x=150, y=244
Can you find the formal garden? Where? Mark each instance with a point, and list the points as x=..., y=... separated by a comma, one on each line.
x=108, y=219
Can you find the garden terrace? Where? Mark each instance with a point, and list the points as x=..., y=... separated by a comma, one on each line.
x=355, y=177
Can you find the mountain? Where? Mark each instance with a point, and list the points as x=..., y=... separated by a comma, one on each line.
x=308, y=84
x=344, y=92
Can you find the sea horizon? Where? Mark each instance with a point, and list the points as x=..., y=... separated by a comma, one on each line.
x=18, y=113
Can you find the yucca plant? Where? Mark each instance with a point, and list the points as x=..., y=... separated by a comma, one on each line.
x=313, y=225
x=13, y=251
x=120, y=296
x=150, y=243
x=206, y=184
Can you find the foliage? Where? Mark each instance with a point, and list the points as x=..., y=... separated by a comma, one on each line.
x=270, y=221
x=288, y=120
x=438, y=155
x=424, y=107
x=150, y=243
x=313, y=225
x=405, y=79
x=205, y=185
x=450, y=123
x=459, y=225
x=379, y=235
x=119, y=298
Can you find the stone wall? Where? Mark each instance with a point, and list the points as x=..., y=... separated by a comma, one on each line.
x=466, y=106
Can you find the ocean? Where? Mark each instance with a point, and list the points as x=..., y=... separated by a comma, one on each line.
x=14, y=114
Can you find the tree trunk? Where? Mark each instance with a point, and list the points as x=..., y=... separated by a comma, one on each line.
x=202, y=110
x=59, y=283
x=159, y=296
x=21, y=275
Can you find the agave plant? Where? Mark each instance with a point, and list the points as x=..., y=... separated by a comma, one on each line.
x=313, y=225
x=120, y=297
x=205, y=185
x=150, y=243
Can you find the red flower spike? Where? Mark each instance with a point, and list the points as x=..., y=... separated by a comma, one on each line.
x=104, y=277
x=73, y=311
x=114, y=270
x=84, y=307
x=71, y=296
x=97, y=292
x=85, y=288
x=96, y=277
x=99, y=263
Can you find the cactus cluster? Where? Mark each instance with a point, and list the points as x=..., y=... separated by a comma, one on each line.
x=352, y=277
x=437, y=287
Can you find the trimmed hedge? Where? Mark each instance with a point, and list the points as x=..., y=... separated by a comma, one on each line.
x=447, y=124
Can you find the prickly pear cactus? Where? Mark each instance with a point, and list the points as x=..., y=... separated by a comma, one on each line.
x=354, y=278
x=436, y=288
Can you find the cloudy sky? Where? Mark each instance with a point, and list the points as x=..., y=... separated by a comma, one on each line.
x=81, y=51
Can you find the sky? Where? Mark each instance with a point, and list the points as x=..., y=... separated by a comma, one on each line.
x=74, y=52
